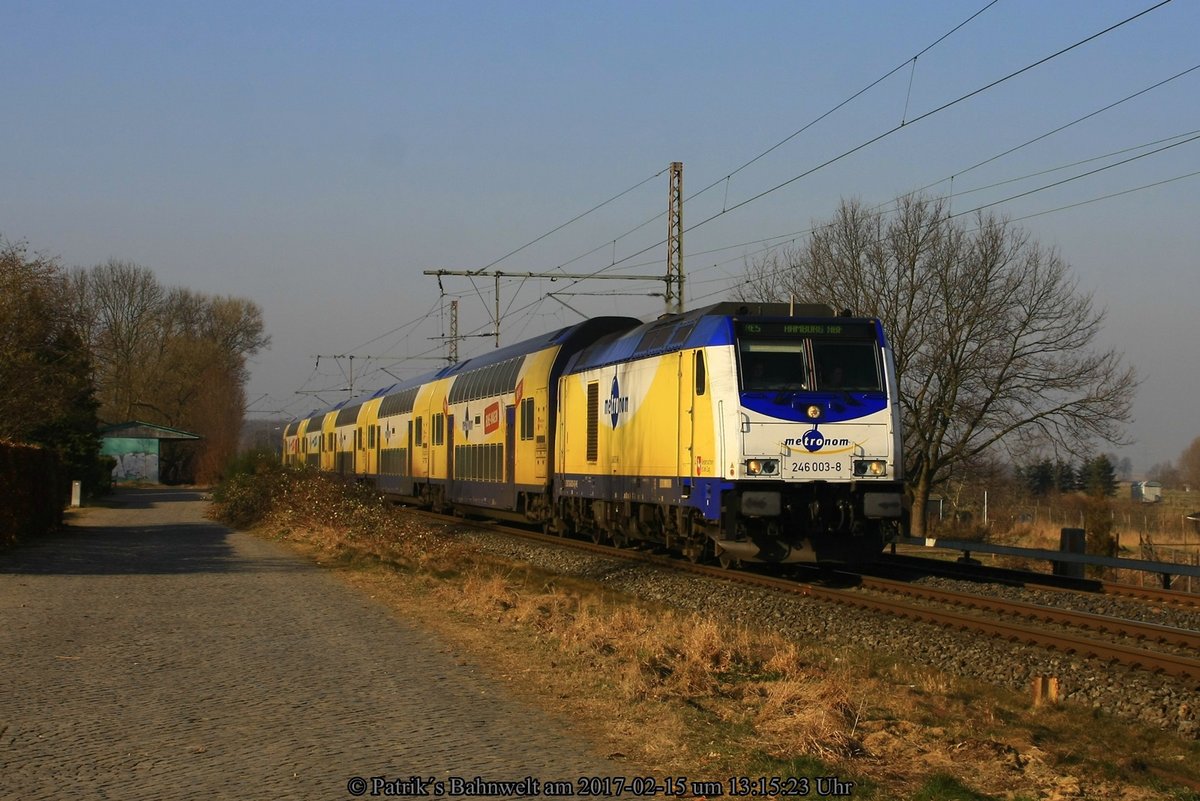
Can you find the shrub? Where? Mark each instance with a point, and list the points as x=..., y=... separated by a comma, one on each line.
x=248, y=495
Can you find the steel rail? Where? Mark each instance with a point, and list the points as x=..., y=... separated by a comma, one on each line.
x=1177, y=665
x=1047, y=581
x=1152, y=632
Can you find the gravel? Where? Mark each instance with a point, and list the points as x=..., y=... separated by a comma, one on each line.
x=1161, y=701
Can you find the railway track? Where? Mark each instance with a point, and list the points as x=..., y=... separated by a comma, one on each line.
x=915, y=566
x=1144, y=646
x=1070, y=632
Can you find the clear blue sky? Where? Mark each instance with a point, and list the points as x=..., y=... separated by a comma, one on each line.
x=317, y=157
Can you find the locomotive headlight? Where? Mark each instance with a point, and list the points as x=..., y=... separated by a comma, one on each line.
x=813, y=412
x=761, y=467
x=870, y=467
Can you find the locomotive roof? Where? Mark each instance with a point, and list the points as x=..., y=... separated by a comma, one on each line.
x=585, y=331
x=709, y=325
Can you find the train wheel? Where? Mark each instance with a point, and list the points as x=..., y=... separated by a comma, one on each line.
x=696, y=552
x=726, y=561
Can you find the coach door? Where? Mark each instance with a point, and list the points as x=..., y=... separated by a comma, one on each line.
x=537, y=423
x=692, y=379
x=510, y=444
x=409, y=458
x=376, y=445
x=450, y=457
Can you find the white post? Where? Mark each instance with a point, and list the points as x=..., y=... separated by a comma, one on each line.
x=76, y=494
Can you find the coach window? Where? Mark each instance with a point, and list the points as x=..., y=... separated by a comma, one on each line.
x=701, y=378
x=419, y=432
x=527, y=418
x=439, y=427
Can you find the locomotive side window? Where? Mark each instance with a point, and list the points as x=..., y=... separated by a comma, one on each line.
x=700, y=376
x=593, y=421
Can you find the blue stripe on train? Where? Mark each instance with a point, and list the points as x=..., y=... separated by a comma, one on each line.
x=793, y=406
x=703, y=494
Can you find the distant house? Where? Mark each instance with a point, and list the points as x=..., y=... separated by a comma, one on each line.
x=147, y=452
x=1146, y=491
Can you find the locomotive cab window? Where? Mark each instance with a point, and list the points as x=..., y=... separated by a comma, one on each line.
x=825, y=356
x=847, y=365
x=773, y=365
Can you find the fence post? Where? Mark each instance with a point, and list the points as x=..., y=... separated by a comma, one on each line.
x=1071, y=540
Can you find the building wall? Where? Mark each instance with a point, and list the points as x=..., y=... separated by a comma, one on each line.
x=137, y=458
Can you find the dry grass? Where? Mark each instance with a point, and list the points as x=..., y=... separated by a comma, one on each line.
x=662, y=691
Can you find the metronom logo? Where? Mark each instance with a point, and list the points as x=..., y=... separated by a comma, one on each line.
x=814, y=441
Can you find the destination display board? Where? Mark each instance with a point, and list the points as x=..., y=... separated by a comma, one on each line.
x=785, y=328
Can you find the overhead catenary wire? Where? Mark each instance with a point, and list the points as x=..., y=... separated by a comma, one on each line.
x=1061, y=128
x=561, y=266
x=1077, y=177
x=616, y=263
x=854, y=96
x=794, y=234
x=935, y=111
x=1108, y=196
x=884, y=134
x=800, y=234
x=911, y=60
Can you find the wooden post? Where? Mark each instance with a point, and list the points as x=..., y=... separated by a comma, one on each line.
x=1045, y=690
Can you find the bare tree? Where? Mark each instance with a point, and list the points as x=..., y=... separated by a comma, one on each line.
x=994, y=342
x=121, y=303
x=1189, y=464
x=174, y=357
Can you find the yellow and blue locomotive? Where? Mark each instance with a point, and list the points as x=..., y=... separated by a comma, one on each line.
x=743, y=432
x=749, y=432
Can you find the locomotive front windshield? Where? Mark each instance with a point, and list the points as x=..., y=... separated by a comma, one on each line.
x=770, y=362
x=773, y=366
x=846, y=364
